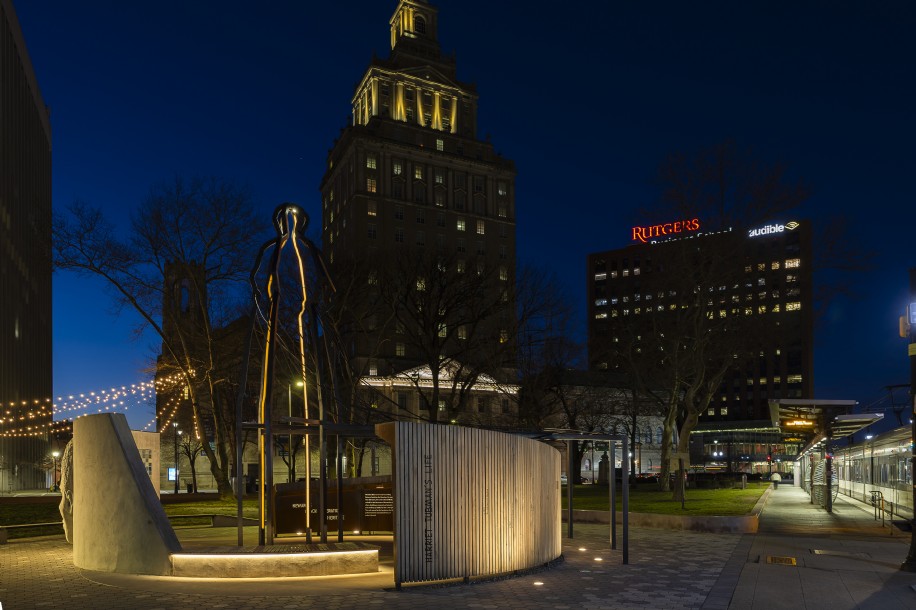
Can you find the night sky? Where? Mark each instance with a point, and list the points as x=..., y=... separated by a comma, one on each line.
x=587, y=102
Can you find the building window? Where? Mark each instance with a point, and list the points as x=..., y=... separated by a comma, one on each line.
x=370, y=161
x=501, y=188
x=503, y=253
x=460, y=266
x=462, y=332
x=421, y=217
x=439, y=176
x=440, y=199
x=793, y=263
x=402, y=401
x=397, y=168
x=504, y=275
x=502, y=210
x=418, y=172
x=399, y=349
x=399, y=213
x=370, y=231
x=460, y=246
x=503, y=336
x=372, y=208
x=600, y=276
x=481, y=227
x=421, y=238
x=440, y=145
x=793, y=306
x=399, y=235
x=505, y=405
x=459, y=224
x=481, y=404
x=371, y=185
x=478, y=184
x=481, y=249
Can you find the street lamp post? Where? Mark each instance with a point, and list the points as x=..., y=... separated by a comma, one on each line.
x=55, y=455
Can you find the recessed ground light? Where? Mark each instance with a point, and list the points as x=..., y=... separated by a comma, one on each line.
x=538, y=583
x=581, y=548
x=298, y=533
x=598, y=559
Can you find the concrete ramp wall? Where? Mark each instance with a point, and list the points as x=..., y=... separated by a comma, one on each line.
x=118, y=521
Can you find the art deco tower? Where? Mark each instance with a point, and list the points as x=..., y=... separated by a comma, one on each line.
x=409, y=176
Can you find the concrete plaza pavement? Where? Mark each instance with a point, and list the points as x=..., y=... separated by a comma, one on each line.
x=842, y=560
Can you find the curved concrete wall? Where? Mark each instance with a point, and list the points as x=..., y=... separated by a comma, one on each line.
x=471, y=502
x=118, y=521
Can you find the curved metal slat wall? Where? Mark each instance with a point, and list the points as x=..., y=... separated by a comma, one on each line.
x=470, y=502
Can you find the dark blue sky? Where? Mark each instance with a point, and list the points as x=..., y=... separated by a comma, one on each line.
x=587, y=99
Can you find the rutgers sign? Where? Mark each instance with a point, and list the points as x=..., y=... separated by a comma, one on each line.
x=644, y=234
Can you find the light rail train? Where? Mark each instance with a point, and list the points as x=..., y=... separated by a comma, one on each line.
x=880, y=464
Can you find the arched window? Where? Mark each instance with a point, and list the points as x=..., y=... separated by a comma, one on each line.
x=648, y=435
x=184, y=296
x=419, y=25
x=658, y=435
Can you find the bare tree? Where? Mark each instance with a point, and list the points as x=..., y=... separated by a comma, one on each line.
x=204, y=231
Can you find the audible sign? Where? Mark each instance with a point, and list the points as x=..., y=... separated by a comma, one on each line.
x=771, y=229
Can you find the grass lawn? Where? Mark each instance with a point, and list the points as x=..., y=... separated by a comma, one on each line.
x=48, y=512
x=647, y=499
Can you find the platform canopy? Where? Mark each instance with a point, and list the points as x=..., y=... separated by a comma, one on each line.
x=817, y=419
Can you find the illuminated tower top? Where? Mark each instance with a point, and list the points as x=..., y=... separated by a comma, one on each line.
x=414, y=21
x=416, y=84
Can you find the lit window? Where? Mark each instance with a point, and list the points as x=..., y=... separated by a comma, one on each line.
x=370, y=185
x=418, y=173
x=724, y=410
x=462, y=332
x=399, y=349
x=601, y=315
x=793, y=306
x=504, y=275
x=748, y=311
x=794, y=379
x=370, y=161
x=761, y=309
x=459, y=224
x=613, y=313
x=775, y=308
x=481, y=228
x=600, y=276
x=613, y=275
x=460, y=266
x=501, y=188
x=440, y=176
x=373, y=368
x=711, y=411
x=761, y=281
x=372, y=210
x=373, y=278
x=600, y=302
x=793, y=263
x=791, y=278
x=747, y=269
x=443, y=330
x=397, y=168
x=440, y=145
x=774, y=265
x=421, y=284
x=636, y=271
x=626, y=272
x=503, y=336
x=502, y=211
